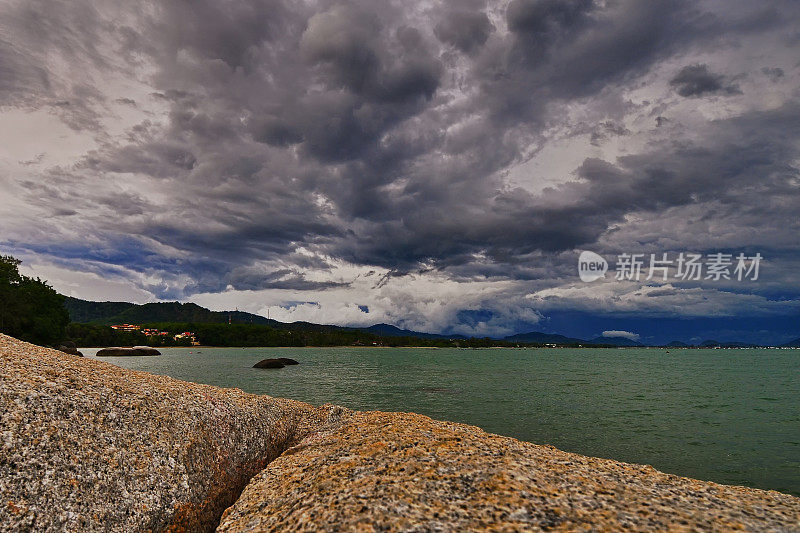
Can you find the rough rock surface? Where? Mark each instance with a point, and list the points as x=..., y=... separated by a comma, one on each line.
x=407, y=472
x=89, y=446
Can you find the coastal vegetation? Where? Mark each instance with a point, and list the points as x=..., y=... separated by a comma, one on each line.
x=248, y=335
x=30, y=309
x=98, y=335
x=128, y=313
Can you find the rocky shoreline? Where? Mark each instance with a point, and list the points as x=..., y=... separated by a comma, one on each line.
x=86, y=445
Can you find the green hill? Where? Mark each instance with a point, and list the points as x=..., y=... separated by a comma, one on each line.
x=83, y=311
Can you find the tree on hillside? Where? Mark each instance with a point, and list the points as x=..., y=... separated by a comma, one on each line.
x=30, y=309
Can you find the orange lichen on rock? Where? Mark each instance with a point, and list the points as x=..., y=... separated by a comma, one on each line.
x=401, y=471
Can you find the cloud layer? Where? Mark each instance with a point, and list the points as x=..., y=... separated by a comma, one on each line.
x=431, y=164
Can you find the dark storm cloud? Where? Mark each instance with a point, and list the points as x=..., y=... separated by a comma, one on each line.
x=378, y=133
x=558, y=51
x=51, y=48
x=19, y=78
x=229, y=32
x=467, y=30
x=745, y=156
x=697, y=80
x=288, y=279
x=740, y=155
x=275, y=131
x=347, y=43
x=773, y=73
x=540, y=22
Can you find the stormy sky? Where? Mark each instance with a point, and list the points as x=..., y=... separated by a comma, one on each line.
x=434, y=165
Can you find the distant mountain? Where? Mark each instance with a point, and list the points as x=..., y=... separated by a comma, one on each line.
x=615, y=341
x=543, y=338
x=108, y=313
x=677, y=344
x=387, y=330
x=792, y=344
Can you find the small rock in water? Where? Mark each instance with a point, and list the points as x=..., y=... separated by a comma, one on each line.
x=70, y=348
x=287, y=361
x=269, y=363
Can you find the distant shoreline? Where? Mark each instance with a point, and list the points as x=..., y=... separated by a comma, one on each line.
x=665, y=348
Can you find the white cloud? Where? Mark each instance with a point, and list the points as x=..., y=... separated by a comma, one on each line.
x=623, y=334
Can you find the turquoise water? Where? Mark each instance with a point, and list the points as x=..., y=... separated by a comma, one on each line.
x=731, y=416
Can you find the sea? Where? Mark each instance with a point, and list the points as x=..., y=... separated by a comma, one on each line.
x=730, y=416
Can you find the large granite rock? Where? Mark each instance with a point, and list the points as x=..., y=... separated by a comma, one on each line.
x=89, y=446
x=407, y=472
